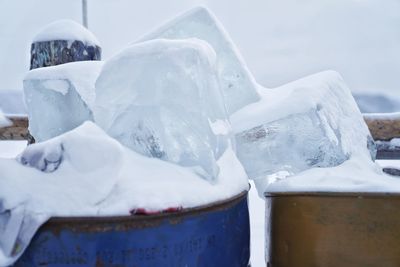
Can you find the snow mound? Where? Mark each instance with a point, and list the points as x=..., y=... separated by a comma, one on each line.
x=355, y=175
x=65, y=30
x=58, y=173
x=237, y=83
x=109, y=169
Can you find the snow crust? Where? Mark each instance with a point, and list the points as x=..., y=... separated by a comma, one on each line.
x=382, y=116
x=116, y=176
x=355, y=175
x=65, y=30
x=120, y=180
x=395, y=142
x=4, y=122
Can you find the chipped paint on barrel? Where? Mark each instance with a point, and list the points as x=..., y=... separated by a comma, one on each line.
x=56, y=52
x=213, y=235
x=333, y=229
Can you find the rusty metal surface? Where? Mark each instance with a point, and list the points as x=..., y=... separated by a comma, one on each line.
x=213, y=235
x=333, y=229
x=101, y=224
x=17, y=131
x=56, y=52
x=383, y=129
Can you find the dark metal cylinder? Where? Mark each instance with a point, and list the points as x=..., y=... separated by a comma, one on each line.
x=56, y=52
x=333, y=229
x=213, y=235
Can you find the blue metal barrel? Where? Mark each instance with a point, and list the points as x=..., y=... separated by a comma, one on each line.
x=213, y=235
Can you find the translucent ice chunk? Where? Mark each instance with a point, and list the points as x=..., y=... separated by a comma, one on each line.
x=294, y=143
x=238, y=84
x=313, y=122
x=59, y=98
x=162, y=99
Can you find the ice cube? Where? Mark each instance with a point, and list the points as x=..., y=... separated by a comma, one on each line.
x=162, y=99
x=59, y=98
x=238, y=84
x=313, y=122
x=294, y=143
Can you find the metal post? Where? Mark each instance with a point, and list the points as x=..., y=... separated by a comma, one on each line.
x=84, y=14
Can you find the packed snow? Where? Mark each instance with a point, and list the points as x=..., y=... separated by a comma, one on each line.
x=65, y=29
x=237, y=83
x=4, y=122
x=60, y=98
x=383, y=116
x=355, y=175
x=162, y=99
x=395, y=142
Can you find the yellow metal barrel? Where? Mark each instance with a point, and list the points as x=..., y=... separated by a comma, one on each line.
x=333, y=230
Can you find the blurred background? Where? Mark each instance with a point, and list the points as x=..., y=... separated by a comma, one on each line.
x=281, y=40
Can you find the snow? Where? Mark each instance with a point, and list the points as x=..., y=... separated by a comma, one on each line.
x=65, y=29
x=392, y=144
x=11, y=149
x=382, y=116
x=354, y=175
x=144, y=182
x=395, y=142
x=161, y=98
x=237, y=83
x=257, y=228
x=4, y=122
x=119, y=179
x=389, y=163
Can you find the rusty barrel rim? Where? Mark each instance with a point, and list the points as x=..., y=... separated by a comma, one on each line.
x=213, y=206
x=215, y=234
x=332, y=194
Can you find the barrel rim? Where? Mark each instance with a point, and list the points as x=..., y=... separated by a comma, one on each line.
x=359, y=194
x=210, y=207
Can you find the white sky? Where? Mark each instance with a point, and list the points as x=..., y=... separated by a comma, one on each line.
x=280, y=40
